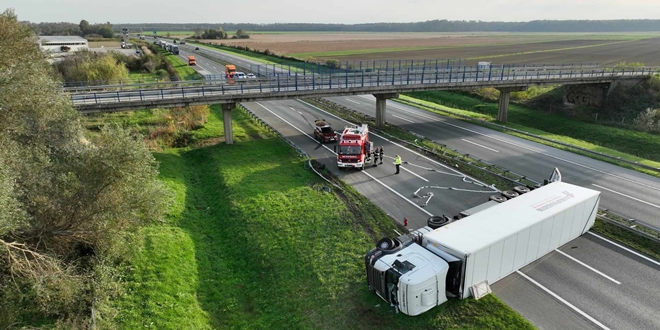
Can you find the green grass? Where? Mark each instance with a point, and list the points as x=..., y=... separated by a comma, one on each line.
x=296, y=66
x=142, y=76
x=183, y=70
x=251, y=242
x=637, y=242
x=618, y=142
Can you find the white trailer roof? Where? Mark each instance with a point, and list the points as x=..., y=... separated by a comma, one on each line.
x=473, y=233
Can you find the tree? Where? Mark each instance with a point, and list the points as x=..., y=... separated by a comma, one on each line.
x=84, y=26
x=240, y=34
x=106, y=31
x=66, y=197
x=198, y=32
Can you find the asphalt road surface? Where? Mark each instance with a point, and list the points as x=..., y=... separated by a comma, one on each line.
x=591, y=283
x=624, y=191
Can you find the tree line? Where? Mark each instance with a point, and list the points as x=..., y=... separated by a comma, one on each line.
x=70, y=200
x=83, y=29
x=218, y=34
x=640, y=25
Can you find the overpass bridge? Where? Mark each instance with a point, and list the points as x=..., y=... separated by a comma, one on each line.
x=383, y=84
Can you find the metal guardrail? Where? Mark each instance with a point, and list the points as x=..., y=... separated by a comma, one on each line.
x=300, y=151
x=633, y=225
x=346, y=80
x=619, y=159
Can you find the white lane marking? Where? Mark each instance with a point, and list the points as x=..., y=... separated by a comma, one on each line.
x=408, y=120
x=530, y=149
x=627, y=249
x=624, y=195
x=589, y=267
x=396, y=144
x=477, y=144
x=367, y=174
x=349, y=100
x=602, y=326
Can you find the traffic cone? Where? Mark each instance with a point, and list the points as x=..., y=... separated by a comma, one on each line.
x=405, y=222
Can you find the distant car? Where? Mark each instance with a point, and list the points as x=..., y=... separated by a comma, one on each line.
x=196, y=48
x=239, y=75
x=137, y=51
x=324, y=132
x=251, y=75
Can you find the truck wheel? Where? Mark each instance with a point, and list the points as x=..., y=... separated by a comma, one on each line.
x=497, y=198
x=385, y=244
x=437, y=221
x=521, y=189
x=510, y=194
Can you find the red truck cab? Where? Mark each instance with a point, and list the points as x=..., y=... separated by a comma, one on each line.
x=354, y=147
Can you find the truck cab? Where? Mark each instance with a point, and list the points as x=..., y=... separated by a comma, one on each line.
x=192, y=60
x=354, y=147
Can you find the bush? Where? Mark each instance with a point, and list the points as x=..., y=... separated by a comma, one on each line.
x=87, y=66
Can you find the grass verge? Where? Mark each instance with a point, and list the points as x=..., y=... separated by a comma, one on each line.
x=252, y=241
x=472, y=167
x=640, y=243
x=613, y=141
x=183, y=70
x=296, y=65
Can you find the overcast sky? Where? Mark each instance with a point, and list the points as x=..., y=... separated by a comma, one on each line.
x=325, y=11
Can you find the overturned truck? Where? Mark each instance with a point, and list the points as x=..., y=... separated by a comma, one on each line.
x=460, y=258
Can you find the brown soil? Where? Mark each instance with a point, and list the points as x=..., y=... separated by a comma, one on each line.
x=645, y=51
x=303, y=43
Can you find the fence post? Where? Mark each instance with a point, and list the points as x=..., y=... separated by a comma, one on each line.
x=346, y=74
x=392, y=76
x=463, y=74
x=183, y=93
x=476, y=77
x=378, y=78
x=222, y=88
x=408, y=77
x=423, y=70
x=490, y=71
x=241, y=88
x=278, y=83
x=313, y=81
x=95, y=100
x=331, y=78
x=296, y=83
x=450, y=70
x=362, y=74
x=502, y=76
x=162, y=96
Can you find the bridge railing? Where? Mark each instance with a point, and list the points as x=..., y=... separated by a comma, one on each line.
x=272, y=70
x=341, y=79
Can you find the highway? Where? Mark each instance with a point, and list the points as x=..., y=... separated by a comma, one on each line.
x=591, y=284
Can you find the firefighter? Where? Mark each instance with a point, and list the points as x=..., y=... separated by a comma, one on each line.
x=380, y=151
x=376, y=157
x=397, y=162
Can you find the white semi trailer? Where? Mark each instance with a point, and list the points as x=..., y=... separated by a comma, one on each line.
x=418, y=271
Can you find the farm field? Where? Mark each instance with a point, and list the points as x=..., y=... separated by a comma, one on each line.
x=604, y=48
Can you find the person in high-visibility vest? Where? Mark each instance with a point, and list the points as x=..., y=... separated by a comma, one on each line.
x=397, y=162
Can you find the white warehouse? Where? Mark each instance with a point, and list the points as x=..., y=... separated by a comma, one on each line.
x=60, y=45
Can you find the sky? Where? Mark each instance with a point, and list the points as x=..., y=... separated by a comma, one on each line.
x=325, y=11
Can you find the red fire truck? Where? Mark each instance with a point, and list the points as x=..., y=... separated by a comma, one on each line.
x=354, y=147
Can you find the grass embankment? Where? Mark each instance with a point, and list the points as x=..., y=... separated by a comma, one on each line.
x=251, y=241
x=618, y=142
x=441, y=152
x=296, y=65
x=449, y=157
x=183, y=70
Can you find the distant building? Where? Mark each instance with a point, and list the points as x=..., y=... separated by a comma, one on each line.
x=61, y=45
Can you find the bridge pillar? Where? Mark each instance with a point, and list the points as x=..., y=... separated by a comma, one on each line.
x=381, y=102
x=505, y=95
x=226, y=117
